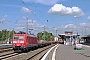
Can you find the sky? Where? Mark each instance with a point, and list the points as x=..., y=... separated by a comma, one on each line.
x=54, y=15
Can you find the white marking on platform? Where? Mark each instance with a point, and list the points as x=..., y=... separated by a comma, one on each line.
x=44, y=57
x=86, y=46
x=54, y=53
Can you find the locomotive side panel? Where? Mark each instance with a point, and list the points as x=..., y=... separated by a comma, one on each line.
x=31, y=41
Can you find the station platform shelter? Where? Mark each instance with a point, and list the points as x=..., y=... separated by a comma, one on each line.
x=69, y=38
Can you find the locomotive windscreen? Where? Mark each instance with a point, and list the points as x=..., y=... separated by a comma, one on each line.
x=18, y=37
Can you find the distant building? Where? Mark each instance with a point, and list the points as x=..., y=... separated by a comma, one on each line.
x=86, y=38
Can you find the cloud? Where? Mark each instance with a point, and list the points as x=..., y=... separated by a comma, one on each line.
x=39, y=26
x=32, y=23
x=19, y=28
x=5, y=16
x=3, y=19
x=59, y=9
x=29, y=21
x=88, y=18
x=19, y=25
x=83, y=24
x=82, y=28
x=25, y=10
x=70, y=26
x=46, y=2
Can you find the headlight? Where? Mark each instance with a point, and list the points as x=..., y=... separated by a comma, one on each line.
x=14, y=41
x=21, y=41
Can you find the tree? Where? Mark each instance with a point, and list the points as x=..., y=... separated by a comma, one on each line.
x=39, y=35
x=11, y=33
x=45, y=36
x=5, y=34
x=0, y=36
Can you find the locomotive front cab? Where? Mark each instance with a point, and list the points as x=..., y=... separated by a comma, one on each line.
x=18, y=42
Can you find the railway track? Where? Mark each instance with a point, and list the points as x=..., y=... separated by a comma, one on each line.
x=5, y=49
x=8, y=55
x=31, y=55
x=39, y=54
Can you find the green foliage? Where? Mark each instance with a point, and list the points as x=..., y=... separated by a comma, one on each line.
x=0, y=35
x=45, y=36
x=5, y=34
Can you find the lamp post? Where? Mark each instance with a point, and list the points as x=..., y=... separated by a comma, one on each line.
x=55, y=29
x=56, y=32
x=89, y=23
x=77, y=17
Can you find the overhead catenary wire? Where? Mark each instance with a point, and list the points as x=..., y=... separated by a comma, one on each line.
x=9, y=13
x=35, y=14
x=39, y=12
x=7, y=21
x=31, y=11
x=4, y=22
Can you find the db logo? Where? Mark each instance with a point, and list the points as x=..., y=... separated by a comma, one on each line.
x=17, y=41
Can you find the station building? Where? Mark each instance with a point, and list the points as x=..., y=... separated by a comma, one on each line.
x=69, y=38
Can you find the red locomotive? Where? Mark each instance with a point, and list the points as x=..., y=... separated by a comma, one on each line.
x=23, y=42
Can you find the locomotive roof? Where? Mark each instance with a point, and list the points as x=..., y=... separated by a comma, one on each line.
x=32, y=35
x=20, y=32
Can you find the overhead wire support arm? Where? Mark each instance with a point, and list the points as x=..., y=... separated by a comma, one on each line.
x=27, y=25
